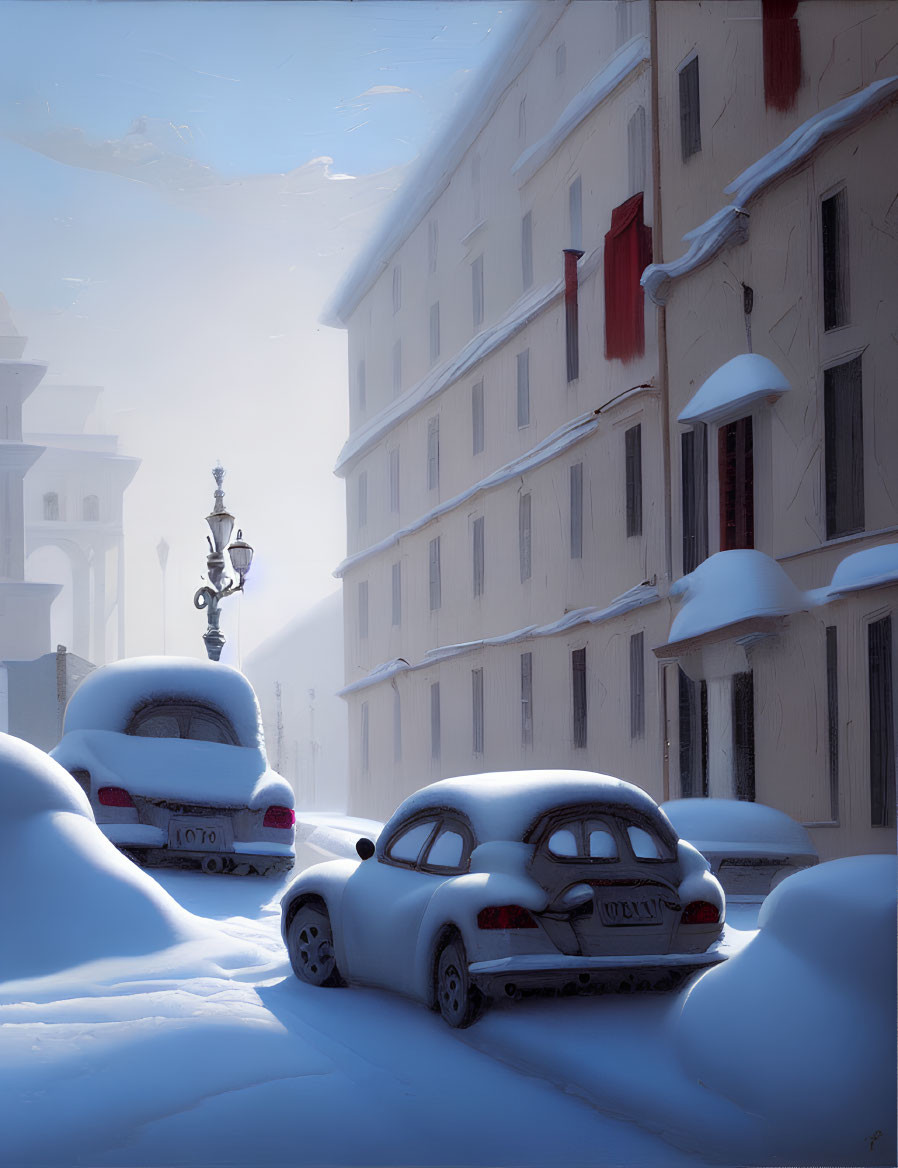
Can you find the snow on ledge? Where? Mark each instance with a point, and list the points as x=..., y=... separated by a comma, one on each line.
x=739, y=383
x=870, y=568
x=556, y=443
x=633, y=598
x=625, y=61
x=730, y=224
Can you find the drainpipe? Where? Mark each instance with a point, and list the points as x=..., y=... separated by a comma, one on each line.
x=572, y=312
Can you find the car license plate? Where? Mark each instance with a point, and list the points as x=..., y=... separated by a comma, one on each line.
x=199, y=835
x=630, y=912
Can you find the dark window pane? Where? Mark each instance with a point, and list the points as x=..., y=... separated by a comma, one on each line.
x=524, y=388
x=834, y=222
x=477, y=699
x=577, y=511
x=735, y=468
x=578, y=683
x=844, y=448
x=637, y=686
x=690, y=124
x=526, y=699
x=524, y=536
x=436, y=596
x=832, y=717
x=744, y=736
x=694, y=497
x=882, y=725
x=633, y=460
x=478, y=555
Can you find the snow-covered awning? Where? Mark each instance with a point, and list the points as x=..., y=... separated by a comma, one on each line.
x=735, y=386
x=873, y=567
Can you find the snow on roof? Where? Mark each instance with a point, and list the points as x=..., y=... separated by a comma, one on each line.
x=503, y=804
x=633, y=598
x=735, y=385
x=737, y=825
x=522, y=312
x=869, y=568
x=729, y=225
x=108, y=697
x=729, y=587
x=626, y=60
x=556, y=443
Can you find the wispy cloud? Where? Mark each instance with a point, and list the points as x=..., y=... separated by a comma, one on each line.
x=377, y=90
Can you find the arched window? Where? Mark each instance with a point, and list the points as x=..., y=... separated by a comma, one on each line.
x=91, y=509
x=51, y=505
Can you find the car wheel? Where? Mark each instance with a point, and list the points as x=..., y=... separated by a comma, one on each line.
x=310, y=943
x=459, y=1000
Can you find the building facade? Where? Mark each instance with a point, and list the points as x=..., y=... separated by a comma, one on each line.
x=534, y=475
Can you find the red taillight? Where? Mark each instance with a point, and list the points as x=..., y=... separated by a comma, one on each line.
x=700, y=913
x=506, y=916
x=279, y=817
x=114, y=797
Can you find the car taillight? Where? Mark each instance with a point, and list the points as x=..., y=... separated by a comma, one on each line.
x=700, y=913
x=506, y=916
x=279, y=817
x=114, y=797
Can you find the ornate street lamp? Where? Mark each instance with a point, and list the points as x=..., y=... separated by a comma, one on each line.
x=210, y=596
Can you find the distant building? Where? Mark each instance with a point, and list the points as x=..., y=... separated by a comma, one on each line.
x=296, y=674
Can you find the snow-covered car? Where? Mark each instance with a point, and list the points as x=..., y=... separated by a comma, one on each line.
x=751, y=847
x=170, y=753
x=494, y=884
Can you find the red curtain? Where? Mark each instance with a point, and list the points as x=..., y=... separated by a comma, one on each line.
x=782, y=53
x=628, y=251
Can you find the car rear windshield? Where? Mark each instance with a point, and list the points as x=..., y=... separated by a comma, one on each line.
x=596, y=837
x=182, y=720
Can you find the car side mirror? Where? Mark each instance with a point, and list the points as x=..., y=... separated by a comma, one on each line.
x=365, y=848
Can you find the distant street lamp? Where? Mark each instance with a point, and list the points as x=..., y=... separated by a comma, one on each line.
x=210, y=596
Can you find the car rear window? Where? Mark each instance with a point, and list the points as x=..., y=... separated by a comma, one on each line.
x=446, y=851
x=407, y=846
x=182, y=719
x=158, y=726
x=645, y=844
x=583, y=839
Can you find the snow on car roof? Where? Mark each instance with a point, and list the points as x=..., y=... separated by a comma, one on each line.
x=108, y=697
x=722, y=823
x=502, y=805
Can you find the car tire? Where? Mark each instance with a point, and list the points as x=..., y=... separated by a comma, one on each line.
x=459, y=1001
x=310, y=943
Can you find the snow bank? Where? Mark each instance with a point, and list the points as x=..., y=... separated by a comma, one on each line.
x=866, y=569
x=739, y=383
x=107, y=698
x=69, y=896
x=811, y=1046
x=729, y=587
x=334, y=835
x=737, y=826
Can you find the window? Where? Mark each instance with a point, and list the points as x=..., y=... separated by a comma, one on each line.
x=397, y=593
x=571, y=313
x=435, y=584
x=90, y=509
x=397, y=727
x=477, y=700
x=433, y=453
x=744, y=736
x=578, y=686
x=477, y=291
x=182, y=720
x=434, y=332
x=577, y=511
x=575, y=212
x=408, y=844
x=843, y=422
x=363, y=499
x=527, y=251
x=694, y=470
x=524, y=535
x=522, y=119
x=397, y=289
x=782, y=53
x=360, y=387
x=637, y=686
x=693, y=724
x=633, y=478
x=394, y=479
x=526, y=699
x=690, y=123
x=397, y=368
x=560, y=59
x=433, y=244
x=524, y=389
x=735, y=471
x=51, y=506
x=628, y=251
x=478, y=550
x=477, y=417
x=364, y=749
x=363, y=609
x=645, y=846
x=435, y=720
x=834, y=231
x=832, y=718
x=447, y=851
x=882, y=725
x=636, y=151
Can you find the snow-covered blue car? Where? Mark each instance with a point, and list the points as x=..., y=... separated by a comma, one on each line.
x=170, y=753
x=490, y=885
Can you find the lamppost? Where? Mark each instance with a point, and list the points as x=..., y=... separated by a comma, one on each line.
x=210, y=596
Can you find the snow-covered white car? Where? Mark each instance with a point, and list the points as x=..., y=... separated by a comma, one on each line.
x=751, y=847
x=170, y=753
x=493, y=884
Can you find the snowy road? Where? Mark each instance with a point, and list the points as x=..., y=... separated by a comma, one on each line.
x=215, y=1054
